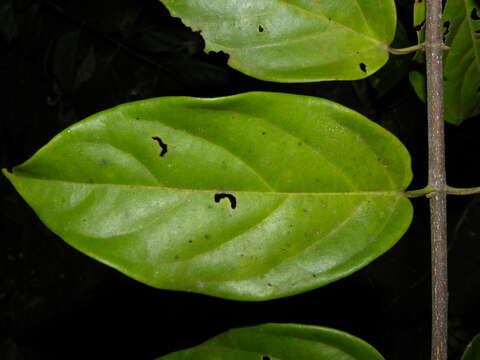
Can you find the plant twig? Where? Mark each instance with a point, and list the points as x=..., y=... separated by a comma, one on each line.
x=462, y=191
x=426, y=191
x=407, y=50
x=437, y=179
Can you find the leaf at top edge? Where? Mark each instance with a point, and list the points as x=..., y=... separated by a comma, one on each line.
x=250, y=197
x=462, y=62
x=295, y=40
x=280, y=342
x=472, y=352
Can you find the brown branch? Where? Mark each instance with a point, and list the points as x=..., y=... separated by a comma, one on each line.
x=437, y=178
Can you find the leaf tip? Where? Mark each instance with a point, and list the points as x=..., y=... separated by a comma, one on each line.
x=7, y=172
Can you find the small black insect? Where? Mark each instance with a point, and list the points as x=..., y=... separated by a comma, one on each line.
x=162, y=145
x=230, y=197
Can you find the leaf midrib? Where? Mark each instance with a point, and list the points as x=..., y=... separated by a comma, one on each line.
x=173, y=189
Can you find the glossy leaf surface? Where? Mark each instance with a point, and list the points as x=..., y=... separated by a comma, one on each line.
x=251, y=197
x=295, y=40
x=280, y=342
x=472, y=352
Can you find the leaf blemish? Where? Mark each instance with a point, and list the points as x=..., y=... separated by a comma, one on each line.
x=266, y=357
x=260, y=28
x=446, y=25
x=419, y=26
x=163, y=146
x=474, y=15
x=230, y=197
x=363, y=67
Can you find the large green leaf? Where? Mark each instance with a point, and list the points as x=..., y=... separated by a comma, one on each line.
x=472, y=352
x=461, y=23
x=316, y=192
x=280, y=342
x=295, y=40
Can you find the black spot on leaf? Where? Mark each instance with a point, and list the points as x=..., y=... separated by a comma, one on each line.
x=260, y=28
x=230, y=197
x=163, y=146
x=363, y=67
x=266, y=357
x=474, y=15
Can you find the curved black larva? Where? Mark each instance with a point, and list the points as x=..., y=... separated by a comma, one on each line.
x=230, y=197
x=162, y=145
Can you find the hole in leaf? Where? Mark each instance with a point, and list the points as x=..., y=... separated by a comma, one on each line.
x=230, y=197
x=219, y=57
x=419, y=26
x=260, y=28
x=446, y=25
x=474, y=15
x=163, y=146
x=363, y=67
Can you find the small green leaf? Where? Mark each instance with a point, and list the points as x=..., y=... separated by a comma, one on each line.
x=250, y=197
x=462, y=62
x=461, y=32
x=417, y=78
x=295, y=40
x=419, y=14
x=280, y=342
x=472, y=352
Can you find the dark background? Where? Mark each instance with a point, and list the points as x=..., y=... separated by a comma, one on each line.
x=61, y=61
